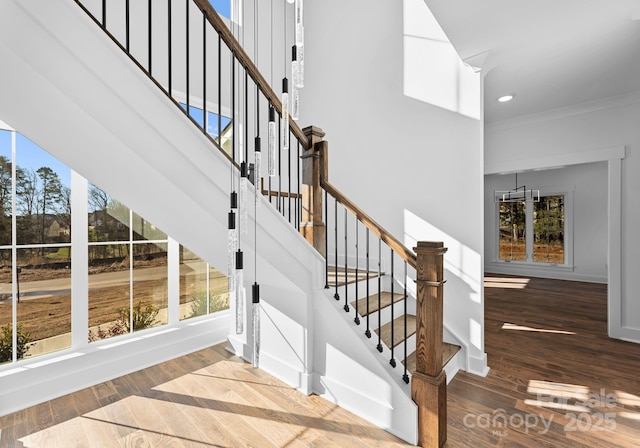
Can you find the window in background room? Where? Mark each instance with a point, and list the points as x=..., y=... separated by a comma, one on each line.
x=534, y=231
x=548, y=230
x=512, y=241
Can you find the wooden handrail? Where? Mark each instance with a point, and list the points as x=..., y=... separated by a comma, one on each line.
x=244, y=60
x=373, y=226
x=282, y=194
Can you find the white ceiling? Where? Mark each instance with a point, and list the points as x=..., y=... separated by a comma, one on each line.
x=549, y=53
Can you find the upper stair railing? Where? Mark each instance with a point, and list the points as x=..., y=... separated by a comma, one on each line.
x=188, y=51
x=194, y=58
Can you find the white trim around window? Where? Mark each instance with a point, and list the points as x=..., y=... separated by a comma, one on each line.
x=529, y=265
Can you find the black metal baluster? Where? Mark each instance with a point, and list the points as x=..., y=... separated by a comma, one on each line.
x=204, y=73
x=298, y=203
x=357, y=318
x=269, y=193
x=219, y=91
x=187, y=56
x=127, y=24
x=246, y=117
x=367, y=332
x=405, y=376
x=104, y=14
x=326, y=242
x=234, y=131
x=379, y=346
x=335, y=219
x=289, y=176
x=170, y=78
x=346, y=252
x=392, y=361
x=280, y=204
x=149, y=10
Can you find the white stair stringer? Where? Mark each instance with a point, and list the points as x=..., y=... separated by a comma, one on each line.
x=348, y=371
x=66, y=86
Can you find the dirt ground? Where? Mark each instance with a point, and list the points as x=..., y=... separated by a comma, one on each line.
x=49, y=316
x=556, y=252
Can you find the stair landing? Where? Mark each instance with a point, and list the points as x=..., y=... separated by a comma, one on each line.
x=448, y=352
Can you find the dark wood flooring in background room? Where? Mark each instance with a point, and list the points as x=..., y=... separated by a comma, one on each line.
x=556, y=380
x=552, y=366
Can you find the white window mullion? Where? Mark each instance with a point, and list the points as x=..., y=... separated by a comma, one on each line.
x=529, y=230
x=14, y=252
x=79, y=261
x=173, y=282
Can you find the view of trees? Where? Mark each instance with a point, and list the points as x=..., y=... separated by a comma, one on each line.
x=513, y=231
x=548, y=230
x=43, y=206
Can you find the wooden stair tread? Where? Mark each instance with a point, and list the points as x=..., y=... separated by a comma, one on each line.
x=448, y=352
x=350, y=274
x=385, y=301
x=398, y=329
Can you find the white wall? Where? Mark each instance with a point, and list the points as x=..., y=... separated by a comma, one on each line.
x=585, y=131
x=587, y=185
x=414, y=166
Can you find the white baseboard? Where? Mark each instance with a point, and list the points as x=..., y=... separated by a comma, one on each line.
x=34, y=381
x=478, y=366
x=289, y=374
x=401, y=422
x=559, y=273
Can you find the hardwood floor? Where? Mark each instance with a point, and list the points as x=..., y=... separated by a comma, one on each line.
x=550, y=360
x=207, y=399
x=556, y=379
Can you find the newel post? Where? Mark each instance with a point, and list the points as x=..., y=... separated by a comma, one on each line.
x=429, y=382
x=314, y=169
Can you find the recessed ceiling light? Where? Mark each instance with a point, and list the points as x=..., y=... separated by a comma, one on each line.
x=505, y=98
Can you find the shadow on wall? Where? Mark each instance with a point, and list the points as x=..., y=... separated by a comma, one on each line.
x=433, y=71
x=463, y=304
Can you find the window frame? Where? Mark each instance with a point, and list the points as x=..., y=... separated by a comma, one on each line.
x=567, y=192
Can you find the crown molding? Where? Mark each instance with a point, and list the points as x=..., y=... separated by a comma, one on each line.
x=565, y=112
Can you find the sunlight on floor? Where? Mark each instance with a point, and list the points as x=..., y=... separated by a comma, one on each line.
x=506, y=282
x=630, y=400
x=557, y=395
x=589, y=405
x=224, y=404
x=508, y=326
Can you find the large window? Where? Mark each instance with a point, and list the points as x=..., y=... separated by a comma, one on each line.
x=533, y=231
x=136, y=277
x=128, y=270
x=35, y=250
x=203, y=289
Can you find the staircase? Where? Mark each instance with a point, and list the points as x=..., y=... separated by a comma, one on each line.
x=119, y=107
x=375, y=311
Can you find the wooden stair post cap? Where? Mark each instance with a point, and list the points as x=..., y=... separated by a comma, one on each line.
x=314, y=131
x=430, y=246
